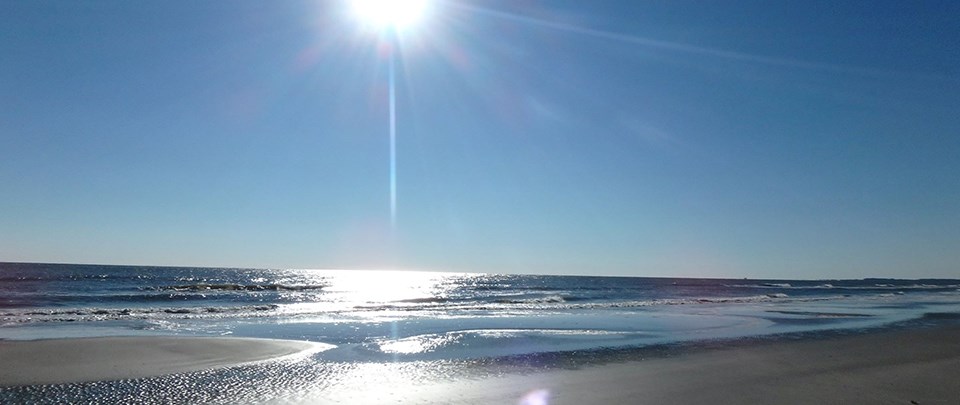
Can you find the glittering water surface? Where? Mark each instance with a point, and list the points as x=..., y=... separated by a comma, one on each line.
x=393, y=315
x=403, y=327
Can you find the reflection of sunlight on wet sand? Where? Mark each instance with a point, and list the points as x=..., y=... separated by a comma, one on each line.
x=374, y=383
x=536, y=397
x=411, y=382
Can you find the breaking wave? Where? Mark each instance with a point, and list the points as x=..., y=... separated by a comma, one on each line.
x=110, y=314
x=828, y=286
x=240, y=287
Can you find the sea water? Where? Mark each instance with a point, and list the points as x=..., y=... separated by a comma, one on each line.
x=430, y=322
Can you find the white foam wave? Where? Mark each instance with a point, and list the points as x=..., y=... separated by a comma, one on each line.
x=831, y=286
x=21, y=316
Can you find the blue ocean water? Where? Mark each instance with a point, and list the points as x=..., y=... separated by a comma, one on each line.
x=376, y=316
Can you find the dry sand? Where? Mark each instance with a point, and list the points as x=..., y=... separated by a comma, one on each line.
x=112, y=358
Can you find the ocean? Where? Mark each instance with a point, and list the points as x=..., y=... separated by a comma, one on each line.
x=400, y=321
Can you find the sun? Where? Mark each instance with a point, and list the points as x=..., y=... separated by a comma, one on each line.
x=390, y=14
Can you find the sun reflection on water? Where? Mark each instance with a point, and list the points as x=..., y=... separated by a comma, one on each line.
x=374, y=293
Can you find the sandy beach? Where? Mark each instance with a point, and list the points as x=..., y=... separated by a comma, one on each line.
x=892, y=367
x=897, y=367
x=55, y=361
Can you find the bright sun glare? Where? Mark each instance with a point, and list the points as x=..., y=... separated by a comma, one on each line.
x=396, y=14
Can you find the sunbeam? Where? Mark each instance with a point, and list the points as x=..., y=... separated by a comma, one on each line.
x=693, y=49
x=393, y=140
x=389, y=18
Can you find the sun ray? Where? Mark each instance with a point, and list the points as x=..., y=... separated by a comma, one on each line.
x=689, y=48
x=389, y=18
x=393, y=142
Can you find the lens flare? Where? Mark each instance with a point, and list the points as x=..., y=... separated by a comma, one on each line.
x=396, y=14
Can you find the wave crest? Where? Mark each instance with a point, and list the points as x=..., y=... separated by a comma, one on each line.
x=240, y=287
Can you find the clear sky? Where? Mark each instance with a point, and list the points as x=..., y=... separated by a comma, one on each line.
x=782, y=139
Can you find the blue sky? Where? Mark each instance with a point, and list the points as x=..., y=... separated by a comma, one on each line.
x=782, y=139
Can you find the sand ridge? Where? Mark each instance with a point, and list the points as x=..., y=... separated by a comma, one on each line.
x=53, y=361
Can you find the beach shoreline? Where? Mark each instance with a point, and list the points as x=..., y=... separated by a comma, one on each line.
x=881, y=366
x=896, y=366
x=901, y=366
x=74, y=360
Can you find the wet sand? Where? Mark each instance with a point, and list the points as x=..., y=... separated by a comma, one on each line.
x=57, y=361
x=896, y=367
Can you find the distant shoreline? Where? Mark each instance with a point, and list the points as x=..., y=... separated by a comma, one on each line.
x=458, y=271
